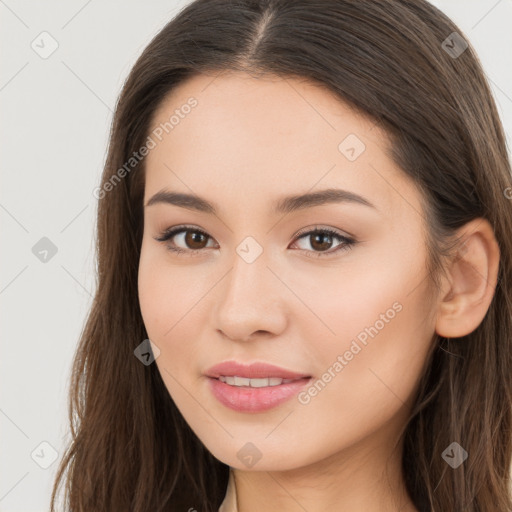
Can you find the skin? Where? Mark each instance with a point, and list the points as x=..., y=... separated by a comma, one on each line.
x=246, y=144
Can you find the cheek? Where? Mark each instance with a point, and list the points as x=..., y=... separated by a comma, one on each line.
x=376, y=336
x=372, y=366
x=171, y=298
x=166, y=299
x=165, y=292
x=152, y=296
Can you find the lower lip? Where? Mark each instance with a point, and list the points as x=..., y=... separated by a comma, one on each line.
x=246, y=399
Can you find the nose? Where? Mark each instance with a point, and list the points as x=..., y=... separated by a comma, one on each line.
x=250, y=301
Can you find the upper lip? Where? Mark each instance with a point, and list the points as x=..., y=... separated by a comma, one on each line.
x=256, y=370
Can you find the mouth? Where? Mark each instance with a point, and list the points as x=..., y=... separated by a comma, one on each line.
x=255, y=387
x=254, y=395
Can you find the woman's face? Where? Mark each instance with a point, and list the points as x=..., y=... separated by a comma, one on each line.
x=258, y=286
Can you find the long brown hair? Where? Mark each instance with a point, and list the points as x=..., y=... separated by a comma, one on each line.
x=131, y=449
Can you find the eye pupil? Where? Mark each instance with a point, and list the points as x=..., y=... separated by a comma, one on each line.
x=191, y=239
x=321, y=236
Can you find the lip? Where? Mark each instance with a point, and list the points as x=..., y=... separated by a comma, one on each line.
x=257, y=370
x=253, y=400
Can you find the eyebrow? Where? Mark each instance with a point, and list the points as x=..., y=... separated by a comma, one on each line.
x=282, y=206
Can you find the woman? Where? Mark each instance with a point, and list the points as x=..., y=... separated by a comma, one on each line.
x=306, y=207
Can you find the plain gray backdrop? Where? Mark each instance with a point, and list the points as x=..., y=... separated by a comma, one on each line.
x=63, y=65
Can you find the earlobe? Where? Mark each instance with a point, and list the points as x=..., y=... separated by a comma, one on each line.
x=471, y=281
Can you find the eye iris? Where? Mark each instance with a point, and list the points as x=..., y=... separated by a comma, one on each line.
x=321, y=236
x=191, y=237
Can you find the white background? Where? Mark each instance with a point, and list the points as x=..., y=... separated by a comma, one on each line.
x=56, y=114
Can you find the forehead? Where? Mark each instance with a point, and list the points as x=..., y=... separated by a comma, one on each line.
x=263, y=137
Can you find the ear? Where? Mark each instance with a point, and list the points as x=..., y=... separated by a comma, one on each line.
x=470, y=281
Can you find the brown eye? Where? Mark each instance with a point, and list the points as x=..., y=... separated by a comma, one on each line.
x=321, y=240
x=183, y=239
x=195, y=239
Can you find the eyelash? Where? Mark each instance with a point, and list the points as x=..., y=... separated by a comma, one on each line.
x=348, y=243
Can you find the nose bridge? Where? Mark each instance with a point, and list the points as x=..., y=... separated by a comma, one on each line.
x=249, y=272
x=248, y=300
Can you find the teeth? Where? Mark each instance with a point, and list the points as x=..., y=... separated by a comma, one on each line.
x=240, y=381
x=253, y=383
